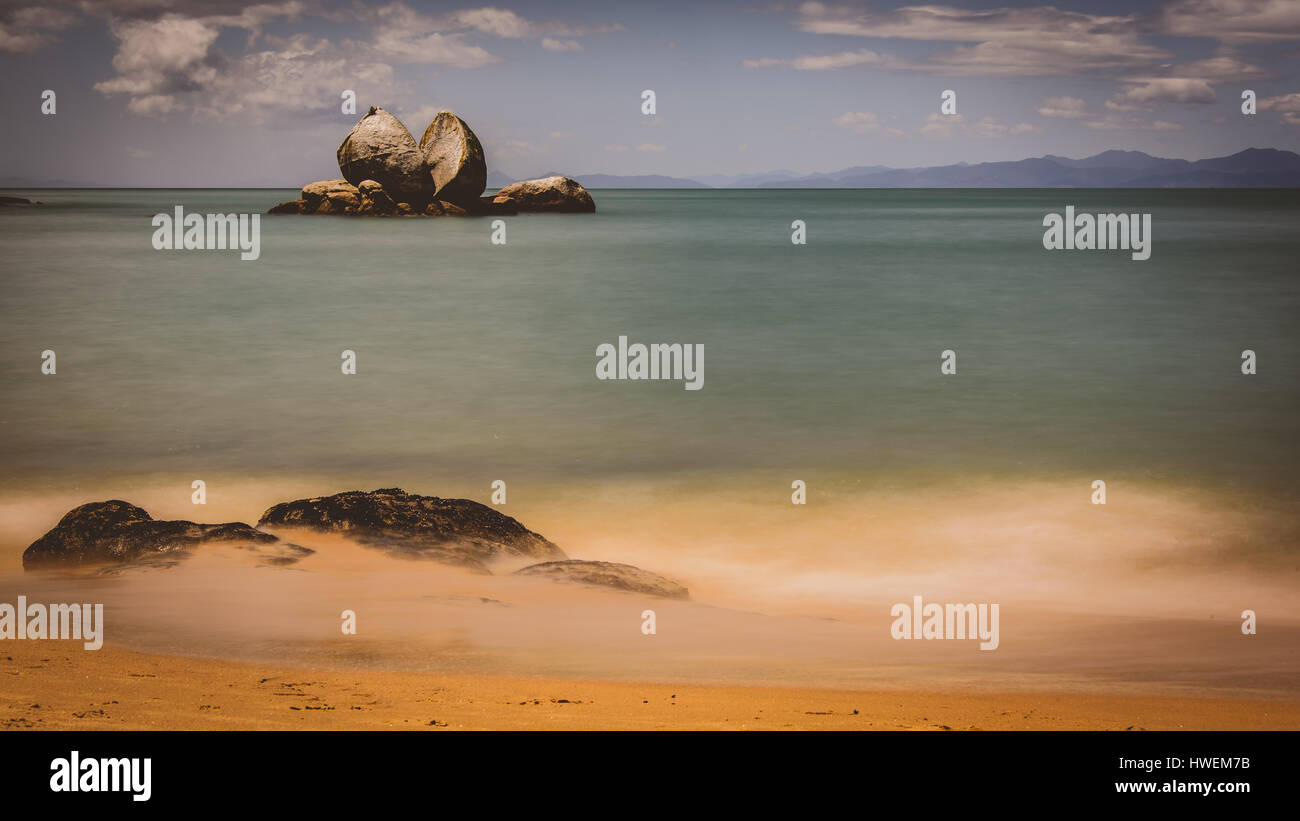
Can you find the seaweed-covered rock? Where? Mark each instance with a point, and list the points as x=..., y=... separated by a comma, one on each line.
x=453, y=531
x=608, y=574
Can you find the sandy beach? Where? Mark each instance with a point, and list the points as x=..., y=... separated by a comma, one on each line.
x=44, y=687
x=1090, y=639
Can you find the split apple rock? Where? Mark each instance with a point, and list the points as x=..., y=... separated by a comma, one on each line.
x=455, y=159
x=386, y=174
x=380, y=148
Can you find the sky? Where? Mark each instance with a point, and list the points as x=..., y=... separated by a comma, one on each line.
x=204, y=93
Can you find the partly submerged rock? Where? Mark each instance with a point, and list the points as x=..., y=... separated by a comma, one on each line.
x=453, y=531
x=314, y=192
x=118, y=533
x=608, y=574
x=290, y=207
x=374, y=199
x=23, y=202
x=380, y=148
x=547, y=194
x=455, y=159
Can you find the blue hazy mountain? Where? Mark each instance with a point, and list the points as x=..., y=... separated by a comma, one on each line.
x=1252, y=168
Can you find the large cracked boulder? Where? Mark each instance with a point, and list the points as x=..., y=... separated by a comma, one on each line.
x=380, y=148
x=118, y=533
x=453, y=531
x=560, y=194
x=623, y=577
x=455, y=159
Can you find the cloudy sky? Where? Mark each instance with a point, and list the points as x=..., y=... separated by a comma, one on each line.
x=219, y=92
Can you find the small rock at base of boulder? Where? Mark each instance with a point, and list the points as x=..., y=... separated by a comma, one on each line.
x=290, y=207
x=380, y=148
x=344, y=202
x=314, y=192
x=455, y=159
x=547, y=194
x=608, y=574
x=374, y=199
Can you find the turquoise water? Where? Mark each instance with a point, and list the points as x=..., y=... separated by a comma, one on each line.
x=478, y=360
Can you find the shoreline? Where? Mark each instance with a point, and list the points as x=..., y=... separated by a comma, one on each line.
x=45, y=688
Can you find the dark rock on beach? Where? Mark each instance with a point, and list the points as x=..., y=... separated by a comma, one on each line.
x=118, y=533
x=608, y=574
x=380, y=148
x=559, y=194
x=453, y=531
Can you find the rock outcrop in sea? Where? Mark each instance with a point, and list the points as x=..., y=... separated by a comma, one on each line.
x=547, y=194
x=116, y=533
x=380, y=148
x=608, y=574
x=386, y=173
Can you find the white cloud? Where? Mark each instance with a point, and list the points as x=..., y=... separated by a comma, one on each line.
x=942, y=126
x=153, y=105
x=1113, y=122
x=823, y=62
x=1066, y=108
x=170, y=62
x=1231, y=21
x=651, y=147
x=1144, y=92
x=947, y=126
x=506, y=24
x=551, y=44
x=1288, y=105
x=865, y=122
x=1033, y=41
x=24, y=29
x=513, y=148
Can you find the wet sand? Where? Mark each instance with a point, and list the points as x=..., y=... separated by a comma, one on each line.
x=45, y=687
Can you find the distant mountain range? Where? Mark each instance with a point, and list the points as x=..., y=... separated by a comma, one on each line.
x=1252, y=168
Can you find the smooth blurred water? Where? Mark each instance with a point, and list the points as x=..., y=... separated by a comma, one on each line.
x=476, y=359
